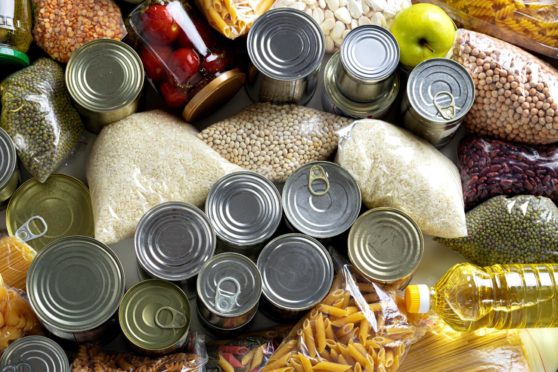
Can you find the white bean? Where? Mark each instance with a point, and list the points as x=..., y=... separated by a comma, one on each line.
x=328, y=25
x=298, y=6
x=355, y=8
x=318, y=15
x=329, y=45
x=333, y=5
x=338, y=29
x=329, y=15
x=363, y=21
x=322, y=4
x=343, y=15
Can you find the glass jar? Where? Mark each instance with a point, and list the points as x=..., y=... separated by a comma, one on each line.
x=15, y=31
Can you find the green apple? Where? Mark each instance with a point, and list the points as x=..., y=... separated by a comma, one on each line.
x=423, y=31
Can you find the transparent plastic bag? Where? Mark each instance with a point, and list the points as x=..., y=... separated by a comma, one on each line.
x=15, y=258
x=143, y=160
x=492, y=167
x=520, y=229
x=396, y=169
x=516, y=93
x=275, y=140
x=38, y=114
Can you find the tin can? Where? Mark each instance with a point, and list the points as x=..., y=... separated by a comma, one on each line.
x=75, y=286
x=173, y=240
x=440, y=92
x=155, y=316
x=367, y=66
x=245, y=210
x=9, y=173
x=321, y=199
x=386, y=246
x=334, y=101
x=297, y=273
x=34, y=353
x=105, y=80
x=286, y=48
x=229, y=287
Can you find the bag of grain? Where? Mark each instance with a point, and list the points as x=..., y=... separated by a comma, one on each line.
x=143, y=160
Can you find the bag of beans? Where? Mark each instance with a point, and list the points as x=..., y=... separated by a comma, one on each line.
x=396, y=169
x=516, y=93
x=491, y=167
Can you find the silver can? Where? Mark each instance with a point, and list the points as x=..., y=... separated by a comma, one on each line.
x=297, y=273
x=440, y=92
x=369, y=57
x=173, y=240
x=286, y=48
x=34, y=353
x=105, y=80
x=9, y=173
x=229, y=287
x=75, y=285
x=321, y=199
x=245, y=210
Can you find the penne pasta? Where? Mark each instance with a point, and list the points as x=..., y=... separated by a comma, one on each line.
x=356, y=354
x=353, y=318
x=364, y=330
x=328, y=329
x=333, y=367
x=305, y=362
x=258, y=358
x=332, y=310
x=320, y=333
x=246, y=359
x=277, y=363
x=225, y=365
x=309, y=338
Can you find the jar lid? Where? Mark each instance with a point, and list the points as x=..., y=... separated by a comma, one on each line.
x=9, y=56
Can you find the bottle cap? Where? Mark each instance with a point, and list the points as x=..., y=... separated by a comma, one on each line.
x=417, y=299
x=13, y=57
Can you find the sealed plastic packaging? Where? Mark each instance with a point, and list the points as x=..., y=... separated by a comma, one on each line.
x=15, y=258
x=492, y=167
x=393, y=168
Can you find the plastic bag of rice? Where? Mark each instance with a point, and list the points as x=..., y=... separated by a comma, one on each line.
x=396, y=169
x=143, y=160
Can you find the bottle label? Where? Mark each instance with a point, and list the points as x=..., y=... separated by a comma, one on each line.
x=7, y=14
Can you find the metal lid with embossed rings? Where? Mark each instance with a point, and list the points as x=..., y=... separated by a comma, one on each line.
x=385, y=245
x=34, y=353
x=286, y=44
x=75, y=284
x=297, y=272
x=244, y=208
x=8, y=158
x=173, y=240
x=321, y=199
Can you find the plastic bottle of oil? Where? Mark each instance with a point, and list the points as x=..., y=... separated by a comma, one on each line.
x=469, y=297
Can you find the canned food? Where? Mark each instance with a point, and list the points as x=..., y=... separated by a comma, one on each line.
x=173, y=240
x=321, y=199
x=34, y=353
x=9, y=173
x=245, y=210
x=369, y=58
x=440, y=92
x=75, y=286
x=334, y=101
x=105, y=80
x=297, y=273
x=154, y=316
x=286, y=48
x=229, y=289
x=385, y=245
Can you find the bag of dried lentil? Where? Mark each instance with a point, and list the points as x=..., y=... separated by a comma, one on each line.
x=516, y=93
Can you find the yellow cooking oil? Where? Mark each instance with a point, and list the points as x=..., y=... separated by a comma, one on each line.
x=469, y=297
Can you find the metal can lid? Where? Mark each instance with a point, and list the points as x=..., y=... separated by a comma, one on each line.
x=173, y=240
x=62, y=201
x=321, y=199
x=75, y=284
x=229, y=285
x=34, y=353
x=385, y=244
x=8, y=158
x=441, y=90
x=244, y=208
x=104, y=75
x=297, y=272
x=370, y=53
x=154, y=315
x=286, y=44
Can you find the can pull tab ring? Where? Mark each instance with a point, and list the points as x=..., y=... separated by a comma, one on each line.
x=447, y=112
x=177, y=321
x=226, y=301
x=317, y=173
x=18, y=367
x=24, y=232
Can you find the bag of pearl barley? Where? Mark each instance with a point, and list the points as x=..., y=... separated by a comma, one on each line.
x=516, y=93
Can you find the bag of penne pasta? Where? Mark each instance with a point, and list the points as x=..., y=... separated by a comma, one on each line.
x=358, y=326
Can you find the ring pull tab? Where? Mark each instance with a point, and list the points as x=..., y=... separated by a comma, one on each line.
x=177, y=321
x=447, y=112
x=226, y=301
x=317, y=173
x=24, y=232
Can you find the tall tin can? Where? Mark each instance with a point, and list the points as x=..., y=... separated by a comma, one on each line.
x=75, y=286
x=229, y=288
x=440, y=92
x=105, y=80
x=245, y=211
x=34, y=353
x=286, y=48
x=386, y=246
x=9, y=173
